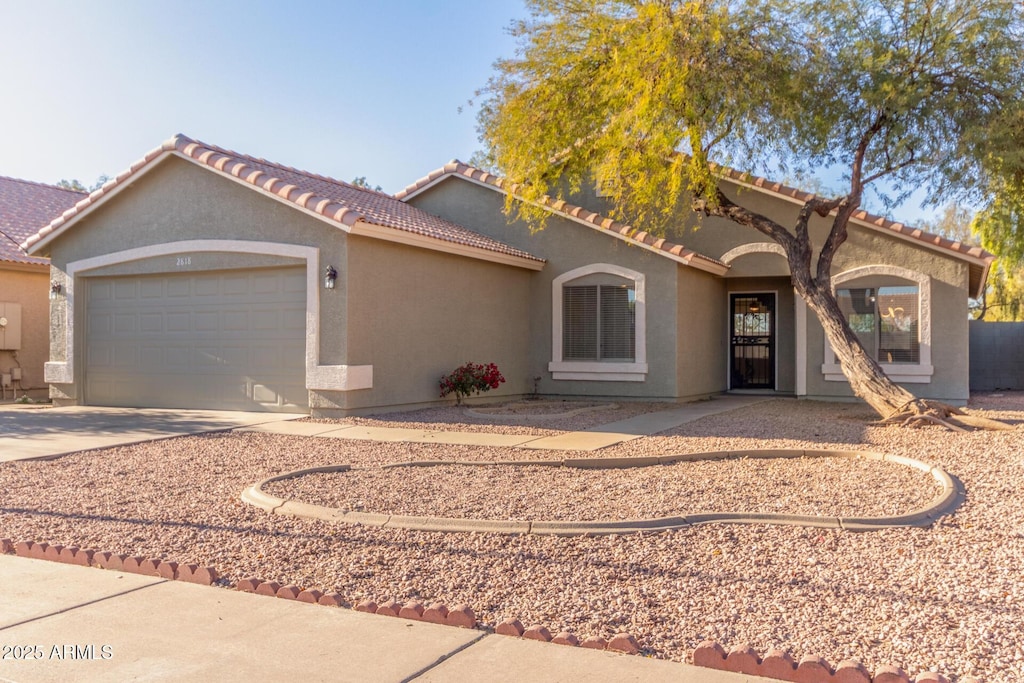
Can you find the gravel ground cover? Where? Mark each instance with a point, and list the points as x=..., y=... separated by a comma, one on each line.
x=948, y=598
x=457, y=419
x=835, y=487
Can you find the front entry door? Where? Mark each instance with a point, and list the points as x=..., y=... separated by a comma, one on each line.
x=752, y=341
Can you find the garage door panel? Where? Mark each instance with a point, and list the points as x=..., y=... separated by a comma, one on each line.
x=126, y=289
x=125, y=323
x=151, y=289
x=227, y=340
x=177, y=288
x=151, y=322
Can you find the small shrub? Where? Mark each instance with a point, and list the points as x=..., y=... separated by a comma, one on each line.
x=471, y=378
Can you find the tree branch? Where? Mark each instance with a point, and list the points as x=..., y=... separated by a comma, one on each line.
x=891, y=169
x=723, y=207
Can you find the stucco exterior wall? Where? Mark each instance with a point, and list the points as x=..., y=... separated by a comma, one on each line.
x=177, y=201
x=568, y=246
x=417, y=314
x=702, y=326
x=949, y=323
x=865, y=247
x=30, y=287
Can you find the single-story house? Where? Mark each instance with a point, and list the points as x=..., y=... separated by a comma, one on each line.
x=201, y=277
x=25, y=207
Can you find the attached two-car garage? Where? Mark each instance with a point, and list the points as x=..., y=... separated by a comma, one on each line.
x=226, y=340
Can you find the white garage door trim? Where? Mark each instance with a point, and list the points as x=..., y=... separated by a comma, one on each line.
x=318, y=377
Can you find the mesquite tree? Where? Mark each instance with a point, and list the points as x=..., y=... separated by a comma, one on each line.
x=646, y=95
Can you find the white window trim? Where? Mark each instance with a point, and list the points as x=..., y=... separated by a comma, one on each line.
x=318, y=377
x=919, y=373
x=562, y=369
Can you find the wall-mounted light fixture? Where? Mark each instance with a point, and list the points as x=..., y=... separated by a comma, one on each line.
x=55, y=289
x=330, y=275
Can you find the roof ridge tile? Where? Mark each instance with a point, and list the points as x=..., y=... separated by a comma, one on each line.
x=599, y=221
x=335, y=200
x=729, y=173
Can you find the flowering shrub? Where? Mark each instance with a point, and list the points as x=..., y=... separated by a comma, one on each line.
x=471, y=378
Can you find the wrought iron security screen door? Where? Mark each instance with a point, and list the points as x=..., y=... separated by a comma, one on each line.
x=752, y=341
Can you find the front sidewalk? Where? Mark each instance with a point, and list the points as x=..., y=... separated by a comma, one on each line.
x=80, y=623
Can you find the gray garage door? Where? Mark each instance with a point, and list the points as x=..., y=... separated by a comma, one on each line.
x=229, y=340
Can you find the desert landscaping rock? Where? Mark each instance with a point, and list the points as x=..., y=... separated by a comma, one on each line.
x=948, y=597
x=521, y=493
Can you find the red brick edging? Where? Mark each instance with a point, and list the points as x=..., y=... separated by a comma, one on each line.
x=87, y=557
x=460, y=615
x=777, y=664
x=780, y=665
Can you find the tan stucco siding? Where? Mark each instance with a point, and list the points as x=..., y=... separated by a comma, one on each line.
x=864, y=247
x=701, y=330
x=177, y=201
x=949, y=282
x=567, y=246
x=28, y=286
x=416, y=315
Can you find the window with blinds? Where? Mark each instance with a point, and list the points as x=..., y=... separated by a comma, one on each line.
x=885, y=320
x=599, y=322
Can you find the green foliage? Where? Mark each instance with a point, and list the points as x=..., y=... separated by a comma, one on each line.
x=73, y=184
x=471, y=378
x=641, y=96
x=77, y=186
x=361, y=182
x=1004, y=299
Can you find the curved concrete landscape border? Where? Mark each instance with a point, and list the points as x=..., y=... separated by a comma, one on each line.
x=478, y=412
x=949, y=499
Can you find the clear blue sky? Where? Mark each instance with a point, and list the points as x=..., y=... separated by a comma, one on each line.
x=340, y=88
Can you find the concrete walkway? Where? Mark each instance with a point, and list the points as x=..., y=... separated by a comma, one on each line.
x=591, y=439
x=32, y=432
x=64, y=623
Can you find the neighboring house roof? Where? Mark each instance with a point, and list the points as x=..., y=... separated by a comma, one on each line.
x=677, y=252
x=979, y=261
x=25, y=207
x=354, y=209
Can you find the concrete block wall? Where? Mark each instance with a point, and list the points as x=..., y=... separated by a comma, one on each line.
x=997, y=356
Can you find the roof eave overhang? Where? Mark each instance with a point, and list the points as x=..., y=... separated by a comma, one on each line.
x=684, y=257
x=38, y=242
x=381, y=232
x=24, y=266
x=984, y=261
x=347, y=223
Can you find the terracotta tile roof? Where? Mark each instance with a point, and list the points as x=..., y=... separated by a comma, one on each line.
x=978, y=260
x=863, y=217
x=25, y=207
x=335, y=200
x=592, y=219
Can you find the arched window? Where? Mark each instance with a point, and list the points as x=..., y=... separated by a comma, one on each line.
x=889, y=309
x=599, y=322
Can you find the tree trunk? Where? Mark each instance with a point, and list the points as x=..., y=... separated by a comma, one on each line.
x=867, y=380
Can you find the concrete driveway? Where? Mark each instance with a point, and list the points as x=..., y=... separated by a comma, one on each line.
x=32, y=432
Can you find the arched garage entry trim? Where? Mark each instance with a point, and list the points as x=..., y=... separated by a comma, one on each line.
x=318, y=377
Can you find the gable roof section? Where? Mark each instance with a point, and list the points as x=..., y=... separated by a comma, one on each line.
x=25, y=207
x=676, y=252
x=353, y=209
x=978, y=260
